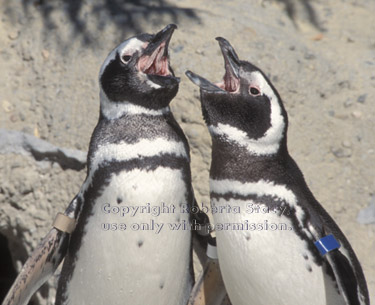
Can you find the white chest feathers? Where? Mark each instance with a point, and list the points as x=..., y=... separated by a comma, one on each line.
x=263, y=261
x=128, y=253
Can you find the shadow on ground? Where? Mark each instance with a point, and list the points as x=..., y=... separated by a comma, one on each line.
x=125, y=15
x=291, y=10
x=89, y=18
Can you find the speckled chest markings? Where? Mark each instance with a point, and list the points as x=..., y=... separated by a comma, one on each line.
x=151, y=171
x=268, y=199
x=251, y=165
x=164, y=255
x=258, y=245
x=138, y=155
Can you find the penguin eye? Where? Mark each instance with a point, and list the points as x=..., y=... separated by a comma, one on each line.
x=126, y=58
x=254, y=91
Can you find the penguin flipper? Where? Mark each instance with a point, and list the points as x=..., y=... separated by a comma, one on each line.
x=346, y=279
x=38, y=268
x=42, y=262
x=343, y=272
x=209, y=288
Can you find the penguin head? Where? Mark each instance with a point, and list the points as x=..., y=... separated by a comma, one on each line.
x=244, y=108
x=137, y=72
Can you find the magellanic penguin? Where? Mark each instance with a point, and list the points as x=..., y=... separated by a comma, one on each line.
x=132, y=242
x=276, y=244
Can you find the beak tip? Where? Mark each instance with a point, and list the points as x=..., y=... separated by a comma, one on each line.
x=222, y=41
x=193, y=77
x=190, y=75
x=171, y=26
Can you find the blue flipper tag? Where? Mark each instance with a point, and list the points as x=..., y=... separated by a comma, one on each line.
x=327, y=244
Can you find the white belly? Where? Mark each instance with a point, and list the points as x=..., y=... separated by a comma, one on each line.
x=267, y=267
x=145, y=263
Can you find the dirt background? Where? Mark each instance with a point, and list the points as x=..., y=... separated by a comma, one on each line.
x=319, y=54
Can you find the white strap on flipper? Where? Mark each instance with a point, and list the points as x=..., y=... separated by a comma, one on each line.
x=211, y=251
x=64, y=223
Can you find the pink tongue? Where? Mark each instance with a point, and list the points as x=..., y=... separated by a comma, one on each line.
x=159, y=67
x=155, y=64
x=158, y=61
x=230, y=83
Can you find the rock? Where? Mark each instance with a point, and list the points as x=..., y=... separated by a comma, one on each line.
x=357, y=114
x=178, y=48
x=45, y=54
x=8, y=107
x=13, y=118
x=347, y=144
x=341, y=152
x=309, y=56
x=14, y=35
x=348, y=103
x=318, y=37
x=21, y=143
x=344, y=84
x=362, y=98
x=367, y=215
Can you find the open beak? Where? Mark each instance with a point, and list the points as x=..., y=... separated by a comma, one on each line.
x=155, y=57
x=203, y=83
x=231, y=79
x=232, y=66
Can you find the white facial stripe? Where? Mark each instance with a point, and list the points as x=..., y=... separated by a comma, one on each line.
x=274, y=134
x=270, y=142
x=130, y=46
x=112, y=110
x=111, y=56
x=259, y=188
x=262, y=146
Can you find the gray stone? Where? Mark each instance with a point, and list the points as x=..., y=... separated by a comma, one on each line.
x=362, y=98
x=367, y=215
x=16, y=142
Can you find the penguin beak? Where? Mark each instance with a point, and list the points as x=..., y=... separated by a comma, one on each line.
x=203, y=83
x=154, y=59
x=231, y=81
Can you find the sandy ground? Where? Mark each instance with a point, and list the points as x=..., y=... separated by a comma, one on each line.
x=319, y=54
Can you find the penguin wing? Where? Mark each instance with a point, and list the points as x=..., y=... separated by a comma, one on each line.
x=347, y=279
x=38, y=268
x=41, y=264
x=209, y=288
x=341, y=264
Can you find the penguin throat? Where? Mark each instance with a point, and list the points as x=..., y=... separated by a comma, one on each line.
x=156, y=63
x=230, y=83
